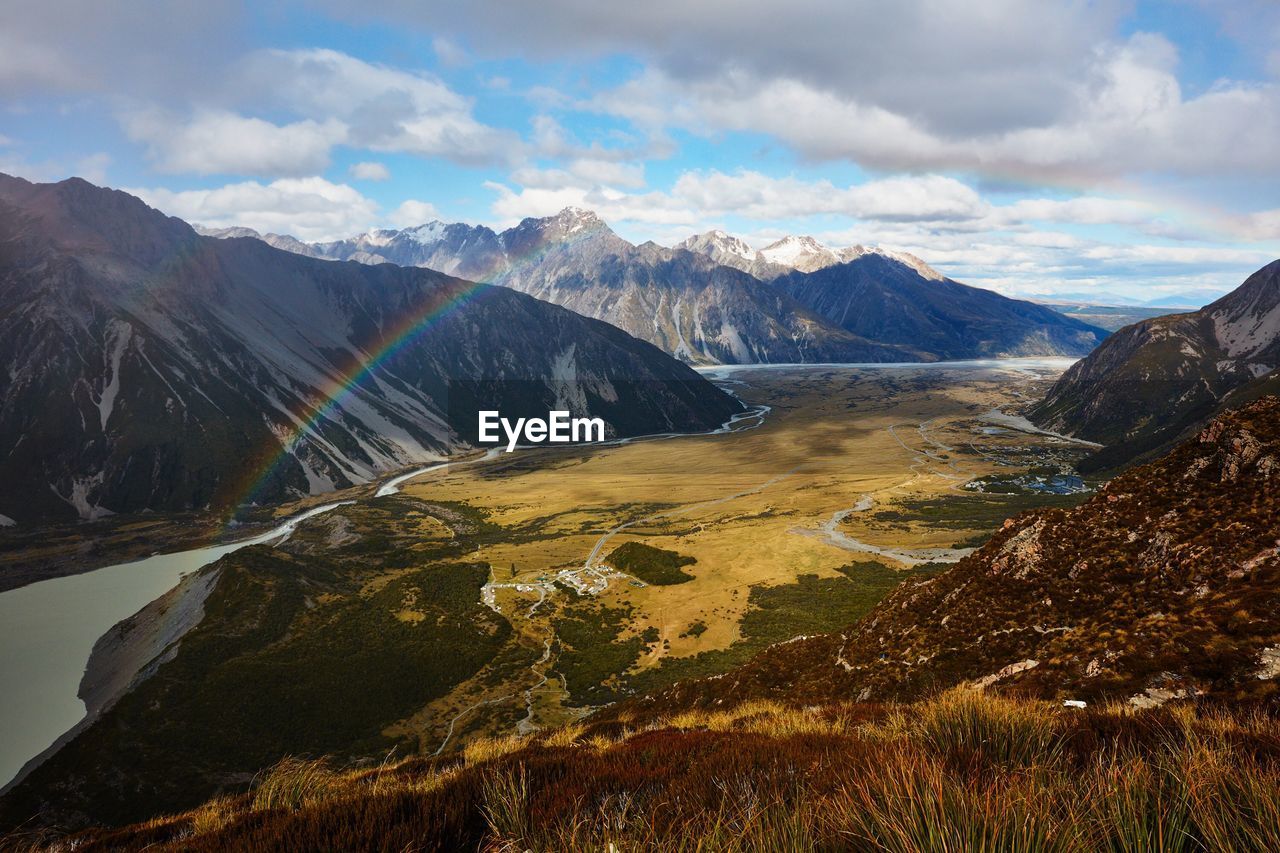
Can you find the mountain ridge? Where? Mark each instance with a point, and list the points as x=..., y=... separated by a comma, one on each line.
x=149, y=367
x=1152, y=382
x=712, y=299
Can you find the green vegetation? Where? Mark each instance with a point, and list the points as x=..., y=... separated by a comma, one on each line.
x=651, y=565
x=592, y=652
x=697, y=629
x=977, y=511
x=304, y=649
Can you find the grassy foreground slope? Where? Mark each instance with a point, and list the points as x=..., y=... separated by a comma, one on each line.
x=964, y=771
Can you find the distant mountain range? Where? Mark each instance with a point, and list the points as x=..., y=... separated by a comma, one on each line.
x=1150, y=383
x=712, y=299
x=143, y=366
x=1191, y=299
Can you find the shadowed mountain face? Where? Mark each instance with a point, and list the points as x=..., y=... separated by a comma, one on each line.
x=885, y=299
x=707, y=301
x=147, y=367
x=1152, y=382
x=1164, y=584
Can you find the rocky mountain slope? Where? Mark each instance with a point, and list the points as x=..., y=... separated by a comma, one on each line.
x=147, y=367
x=1151, y=382
x=1162, y=585
x=705, y=301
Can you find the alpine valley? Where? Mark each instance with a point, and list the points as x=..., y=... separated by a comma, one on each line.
x=865, y=561
x=670, y=427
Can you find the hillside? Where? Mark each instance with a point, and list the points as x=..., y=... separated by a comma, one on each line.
x=1150, y=383
x=960, y=772
x=1163, y=584
x=147, y=367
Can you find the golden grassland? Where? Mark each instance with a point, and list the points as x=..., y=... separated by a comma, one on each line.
x=736, y=503
x=962, y=771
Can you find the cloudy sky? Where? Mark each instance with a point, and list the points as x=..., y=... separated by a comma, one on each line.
x=1101, y=147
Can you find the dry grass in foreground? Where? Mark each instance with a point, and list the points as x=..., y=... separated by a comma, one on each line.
x=964, y=771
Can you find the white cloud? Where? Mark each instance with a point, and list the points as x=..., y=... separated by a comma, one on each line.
x=381, y=108
x=308, y=208
x=449, y=52
x=141, y=49
x=1125, y=114
x=758, y=196
x=412, y=212
x=333, y=99
x=953, y=65
x=220, y=142
x=93, y=168
x=370, y=171
x=583, y=173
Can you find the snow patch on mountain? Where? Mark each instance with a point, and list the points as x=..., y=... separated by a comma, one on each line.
x=118, y=335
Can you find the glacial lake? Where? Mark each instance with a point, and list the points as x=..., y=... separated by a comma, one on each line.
x=48, y=629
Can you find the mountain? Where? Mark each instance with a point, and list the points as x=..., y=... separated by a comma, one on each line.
x=1109, y=317
x=1153, y=381
x=735, y=252
x=883, y=298
x=279, y=241
x=148, y=367
x=684, y=303
x=1185, y=299
x=1164, y=584
x=706, y=301
x=802, y=253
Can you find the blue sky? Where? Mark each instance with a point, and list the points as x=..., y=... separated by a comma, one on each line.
x=1036, y=148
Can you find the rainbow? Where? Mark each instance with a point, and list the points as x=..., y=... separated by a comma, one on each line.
x=438, y=303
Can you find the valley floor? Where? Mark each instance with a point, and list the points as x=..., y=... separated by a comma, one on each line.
x=855, y=477
x=513, y=594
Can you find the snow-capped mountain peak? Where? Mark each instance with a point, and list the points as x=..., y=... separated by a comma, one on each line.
x=719, y=245
x=800, y=252
x=573, y=219
x=427, y=233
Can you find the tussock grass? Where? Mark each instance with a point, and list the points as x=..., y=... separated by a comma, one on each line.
x=486, y=749
x=1004, y=732
x=565, y=735
x=295, y=782
x=506, y=808
x=964, y=771
x=213, y=815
